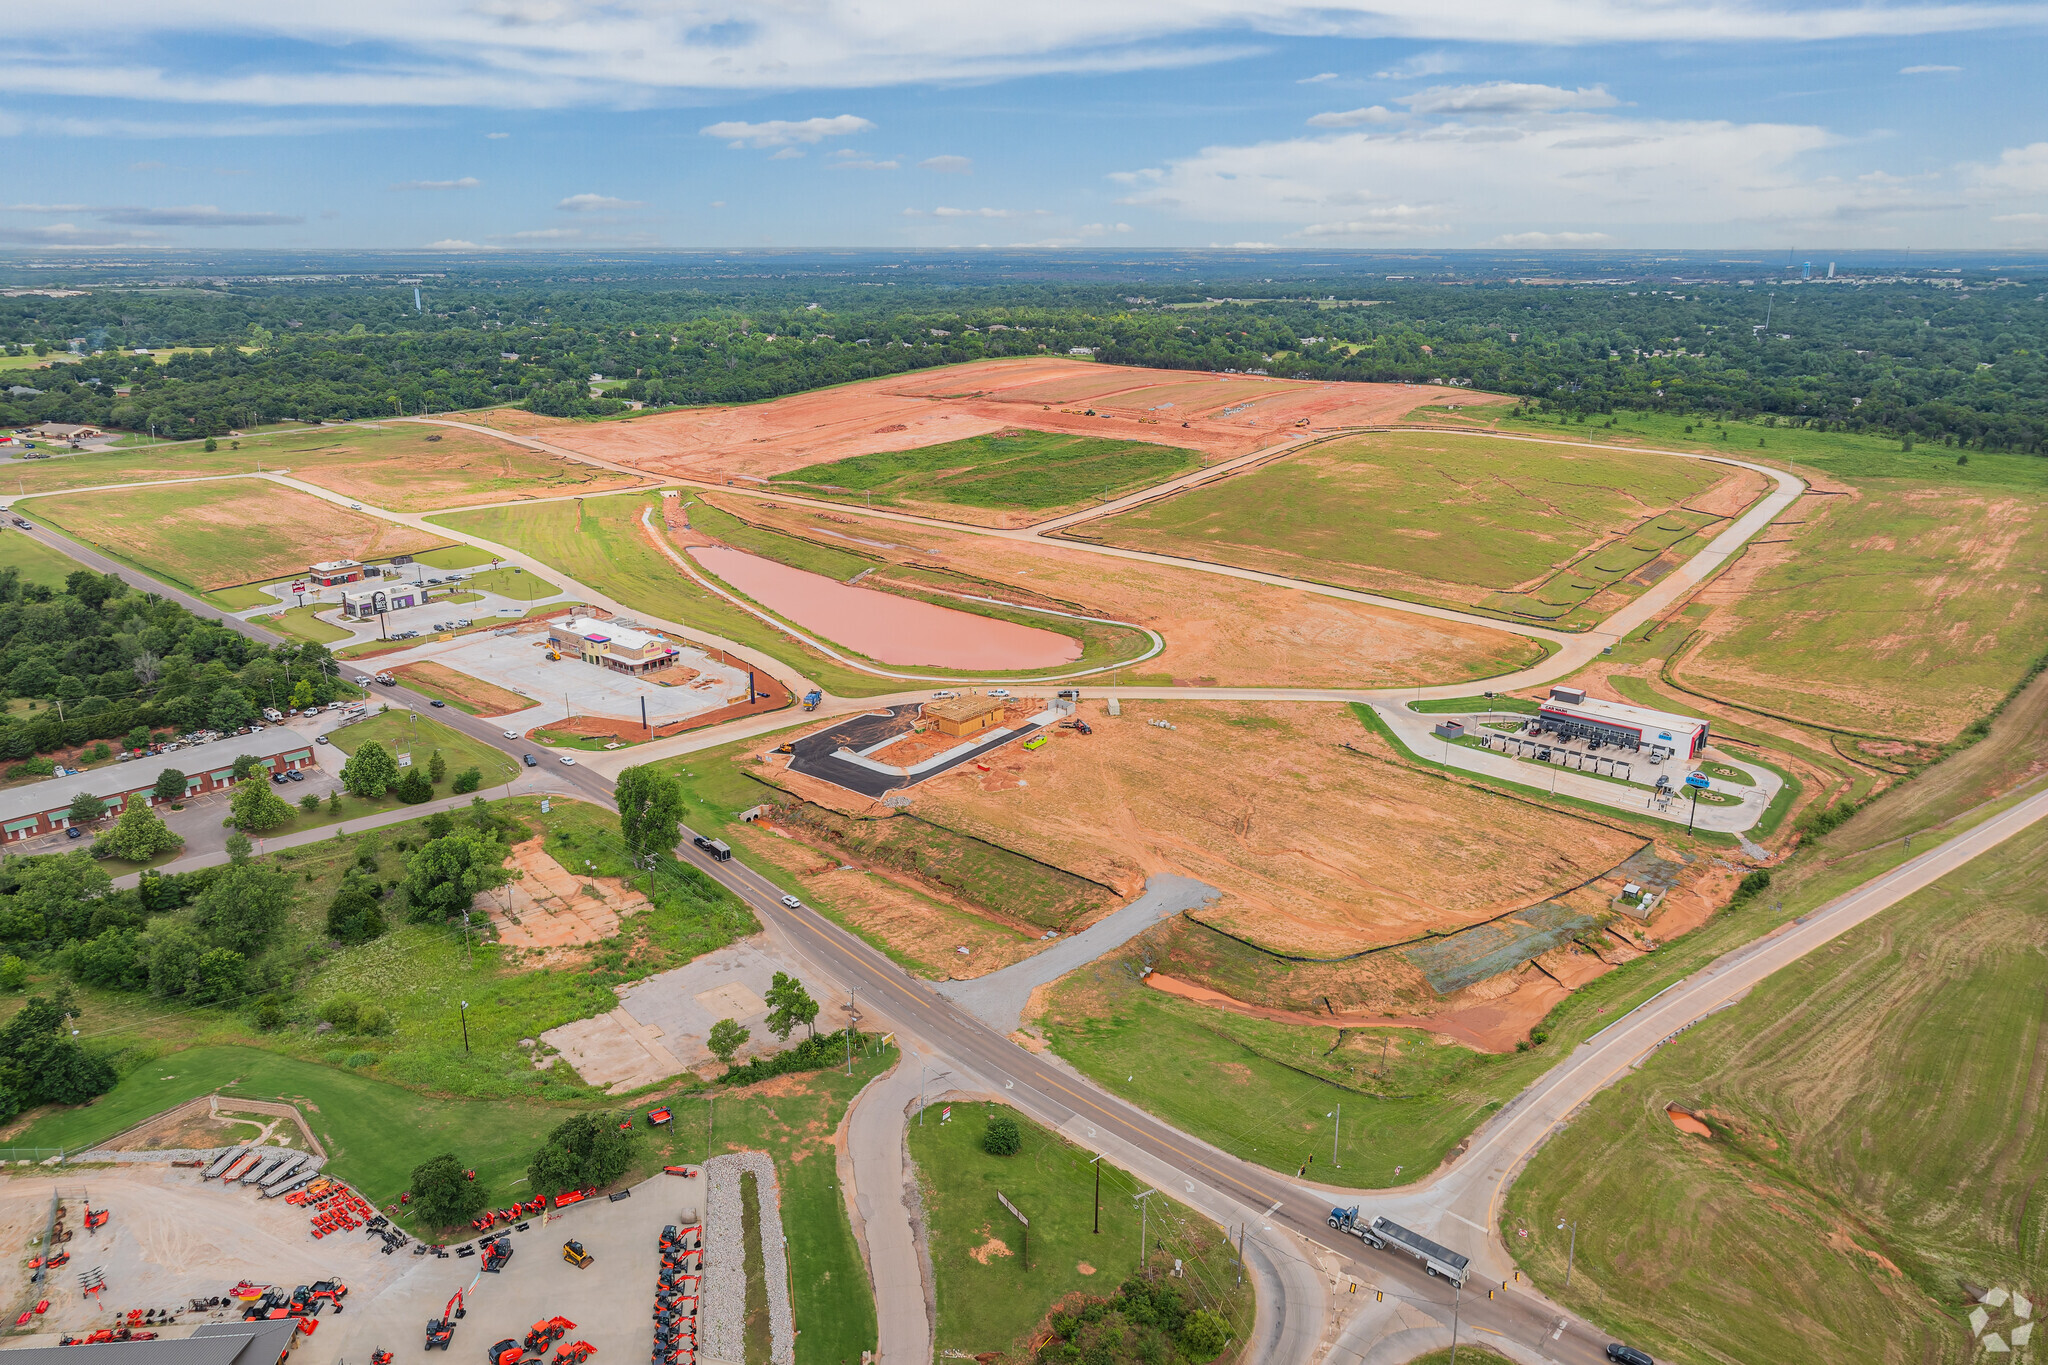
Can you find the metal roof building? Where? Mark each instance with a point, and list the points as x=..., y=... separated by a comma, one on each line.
x=1572, y=712
x=217, y=1343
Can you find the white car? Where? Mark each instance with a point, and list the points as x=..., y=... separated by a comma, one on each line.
x=792, y=902
x=1002, y=692
x=944, y=696
x=355, y=507
x=511, y=734
x=362, y=680
x=569, y=759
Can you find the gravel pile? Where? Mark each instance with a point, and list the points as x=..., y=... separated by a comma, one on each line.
x=723, y=1310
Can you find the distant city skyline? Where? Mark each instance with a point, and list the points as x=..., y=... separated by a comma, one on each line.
x=508, y=124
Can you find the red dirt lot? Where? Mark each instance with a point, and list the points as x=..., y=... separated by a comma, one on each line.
x=903, y=412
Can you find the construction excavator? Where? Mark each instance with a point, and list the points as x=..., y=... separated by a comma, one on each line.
x=440, y=1329
x=496, y=1254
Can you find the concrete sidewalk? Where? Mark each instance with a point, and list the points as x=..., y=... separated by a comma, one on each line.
x=877, y=1175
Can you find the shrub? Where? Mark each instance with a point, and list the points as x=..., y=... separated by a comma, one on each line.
x=13, y=973
x=437, y=768
x=269, y=1015
x=309, y=803
x=812, y=1054
x=414, y=789
x=1004, y=1137
x=342, y=1011
x=468, y=780
x=371, y=1019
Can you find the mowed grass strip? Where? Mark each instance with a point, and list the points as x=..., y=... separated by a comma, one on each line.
x=223, y=532
x=1874, y=1140
x=1450, y=516
x=35, y=561
x=988, y=1298
x=410, y=732
x=1015, y=468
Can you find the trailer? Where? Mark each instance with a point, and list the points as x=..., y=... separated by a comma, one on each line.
x=719, y=850
x=1383, y=1233
x=283, y=1169
x=221, y=1163
x=264, y=1166
x=292, y=1185
x=240, y=1167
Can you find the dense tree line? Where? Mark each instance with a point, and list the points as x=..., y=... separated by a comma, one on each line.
x=1952, y=361
x=99, y=662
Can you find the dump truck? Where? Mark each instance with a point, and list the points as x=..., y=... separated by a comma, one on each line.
x=1384, y=1233
x=812, y=698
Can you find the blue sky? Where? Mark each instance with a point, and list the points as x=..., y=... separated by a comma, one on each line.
x=700, y=123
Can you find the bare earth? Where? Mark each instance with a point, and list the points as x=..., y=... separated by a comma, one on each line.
x=546, y=906
x=1220, y=631
x=928, y=407
x=1316, y=850
x=488, y=698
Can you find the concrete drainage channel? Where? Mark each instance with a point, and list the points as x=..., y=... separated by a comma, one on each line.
x=725, y=1275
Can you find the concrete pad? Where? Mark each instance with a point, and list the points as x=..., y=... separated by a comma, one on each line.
x=615, y=1051
x=547, y=906
x=729, y=984
x=731, y=1001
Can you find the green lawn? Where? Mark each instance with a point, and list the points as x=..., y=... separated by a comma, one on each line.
x=1464, y=706
x=988, y=1299
x=1037, y=471
x=420, y=735
x=37, y=562
x=510, y=583
x=1444, y=517
x=453, y=557
x=1726, y=772
x=300, y=624
x=1873, y=1142
x=241, y=597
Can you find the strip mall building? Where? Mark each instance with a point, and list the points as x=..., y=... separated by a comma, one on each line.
x=45, y=807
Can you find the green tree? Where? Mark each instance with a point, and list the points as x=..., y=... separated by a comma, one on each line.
x=437, y=769
x=1003, y=1137
x=139, y=835
x=13, y=973
x=244, y=765
x=334, y=802
x=240, y=848
x=174, y=953
x=220, y=977
x=85, y=808
x=370, y=771
x=54, y=895
x=353, y=916
x=650, y=807
x=256, y=808
x=727, y=1037
x=170, y=785
x=302, y=694
x=117, y=960
x=584, y=1150
x=244, y=906
x=414, y=788
x=138, y=738
x=1204, y=1335
x=468, y=780
x=445, y=1195
x=445, y=875
x=789, y=1004
x=309, y=803
x=211, y=445
x=41, y=1065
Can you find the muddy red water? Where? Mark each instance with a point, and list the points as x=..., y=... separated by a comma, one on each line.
x=884, y=627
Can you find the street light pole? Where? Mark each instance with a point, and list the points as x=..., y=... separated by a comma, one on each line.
x=1572, y=1256
x=1097, y=1164
x=465, y=1028
x=1143, y=1219
x=849, y=1028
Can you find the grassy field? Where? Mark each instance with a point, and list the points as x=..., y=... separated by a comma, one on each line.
x=1465, y=706
x=239, y=597
x=453, y=557
x=300, y=624
x=1875, y=1137
x=411, y=732
x=516, y=583
x=399, y=466
x=1037, y=471
x=216, y=534
x=1904, y=611
x=1445, y=517
x=37, y=562
x=988, y=1298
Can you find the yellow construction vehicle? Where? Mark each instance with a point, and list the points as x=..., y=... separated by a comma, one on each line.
x=554, y=656
x=575, y=1255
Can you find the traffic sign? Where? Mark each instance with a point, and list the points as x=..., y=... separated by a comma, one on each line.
x=1696, y=780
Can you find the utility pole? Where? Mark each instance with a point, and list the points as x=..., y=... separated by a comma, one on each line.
x=1097, y=1164
x=1572, y=1256
x=1334, y=1132
x=1143, y=1219
x=922, y=1067
x=1457, y=1298
x=850, y=1017
x=465, y=1028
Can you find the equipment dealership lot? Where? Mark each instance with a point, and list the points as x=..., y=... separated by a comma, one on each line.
x=172, y=1238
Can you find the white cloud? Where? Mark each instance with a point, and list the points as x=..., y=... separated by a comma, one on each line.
x=1353, y=118
x=2020, y=171
x=629, y=53
x=2019, y=217
x=1421, y=65
x=545, y=235
x=454, y=244
x=1102, y=229
x=943, y=212
x=46, y=208
x=70, y=234
x=1504, y=97
x=787, y=132
x=1318, y=78
x=595, y=203
x=1549, y=239
x=863, y=164
x=467, y=182
x=1684, y=177
x=195, y=215
x=718, y=203
x=1926, y=70
x=497, y=137
x=948, y=165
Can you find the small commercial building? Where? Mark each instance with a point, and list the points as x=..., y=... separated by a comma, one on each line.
x=367, y=602
x=45, y=807
x=67, y=431
x=264, y=1342
x=1571, y=713
x=963, y=716
x=619, y=648
x=336, y=571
